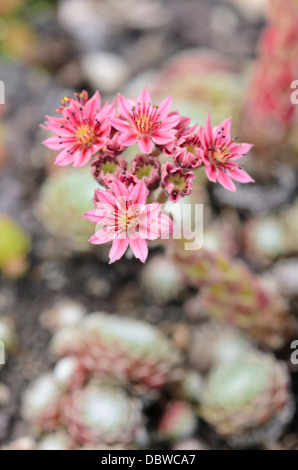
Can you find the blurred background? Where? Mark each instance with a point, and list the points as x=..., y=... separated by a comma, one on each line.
x=194, y=350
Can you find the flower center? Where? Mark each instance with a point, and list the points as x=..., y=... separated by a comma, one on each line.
x=190, y=148
x=145, y=170
x=221, y=154
x=178, y=182
x=127, y=222
x=85, y=135
x=109, y=167
x=125, y=219
x=191, y=144
x=145, y=118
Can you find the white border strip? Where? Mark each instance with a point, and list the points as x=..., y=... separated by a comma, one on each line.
x=2, y=92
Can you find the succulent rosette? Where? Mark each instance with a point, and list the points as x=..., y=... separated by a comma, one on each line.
x=101, y=414
x=246, y=301
x=63, y=199
x=247, y=400
x=265, y=239
x=127, y=349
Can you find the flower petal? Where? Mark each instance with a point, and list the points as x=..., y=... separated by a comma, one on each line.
x=170, y=122
x=240, y=175
x=120, y=125
x=149, y=232
x=149, y=222
x=165, y=107
x=162, y=137
x=139, y=248
x=102, y=236
x=227, y=126
x=145, y=144
x=54, y=143
x=144, y=97
x=91, y=215
x=150, y=212
x=92, y=107
x=128, y=138
x=120, y=190
x=108, y=110
x=104, y=197
x=124, y=106
x=245, y=148
x=83, y=157
x=165, y=225
x=211, y=173
x=118, y=249
x=101, y=216
x=54, y=124
x=225, y=180
x=64, y=158
x=208, y=129
x=139, y=193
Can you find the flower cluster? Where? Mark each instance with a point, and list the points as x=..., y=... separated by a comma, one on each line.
x=87, y=130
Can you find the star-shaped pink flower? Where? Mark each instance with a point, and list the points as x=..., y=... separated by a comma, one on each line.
x=220, y=154
x=144, y=123
x=81, y=131
x=127, y=220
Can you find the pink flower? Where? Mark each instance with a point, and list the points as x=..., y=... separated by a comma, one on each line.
x=127, y=220
x=182, y=125
x=187, y=151
x=82, y=130
x=176, y=182
x=145, y=123
x=128, y=179
x=220, y=154
x=105, y=168
x=146, y=169
x=181, y=129
x=113, y=146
